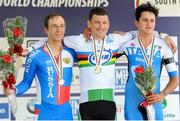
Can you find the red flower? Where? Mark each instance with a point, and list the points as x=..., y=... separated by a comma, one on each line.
x=11, y=50
x=17, y=31
x=5, y=84
x=6, y=58
x=139, y=70
x=11, y=79
x=18, y=49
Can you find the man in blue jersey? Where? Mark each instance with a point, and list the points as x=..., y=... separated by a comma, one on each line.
x=52, y=63
x=146, y=50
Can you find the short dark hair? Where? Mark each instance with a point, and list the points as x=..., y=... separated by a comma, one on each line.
x=50, y=16
x=146, y=7
x=97, y=11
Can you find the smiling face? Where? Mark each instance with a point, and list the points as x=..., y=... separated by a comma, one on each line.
x=99, y=25
x=56, y=28
x=146, y=23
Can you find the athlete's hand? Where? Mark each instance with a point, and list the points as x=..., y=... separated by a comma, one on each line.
x=87, y=33
x=119, y=32
x=7, y=91
x=155, y=98
x=170, y=43
x=25, y=52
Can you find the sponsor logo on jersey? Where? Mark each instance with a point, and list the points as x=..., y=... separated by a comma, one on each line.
x=136, y=51
x=109, y=40
x=106, y=56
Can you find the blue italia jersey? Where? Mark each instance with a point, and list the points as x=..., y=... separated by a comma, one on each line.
x=161, y=55
x=40, y=64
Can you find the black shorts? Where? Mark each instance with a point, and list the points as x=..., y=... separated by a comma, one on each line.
x=98, y=110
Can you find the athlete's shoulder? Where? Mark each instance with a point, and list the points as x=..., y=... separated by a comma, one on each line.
x=132, y=42
x=113, y=38
x=74, y=37
x=35, y=53
x=161, y=42
x=114, y=35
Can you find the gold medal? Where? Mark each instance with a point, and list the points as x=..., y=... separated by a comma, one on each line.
x=98, y=55
x=98, y=69
x=61, y=82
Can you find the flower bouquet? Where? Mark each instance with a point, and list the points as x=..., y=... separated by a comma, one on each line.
x=14, y=29
x=7, y=77
x=145, y=81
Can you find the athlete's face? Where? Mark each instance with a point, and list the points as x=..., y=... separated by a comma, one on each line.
x=56, y=28
x=99, y=26
x=146, y=23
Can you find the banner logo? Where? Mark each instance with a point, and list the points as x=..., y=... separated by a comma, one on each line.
x=167, y=8
x=4, y=110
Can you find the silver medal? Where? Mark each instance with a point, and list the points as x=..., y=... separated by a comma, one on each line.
x=61, y=82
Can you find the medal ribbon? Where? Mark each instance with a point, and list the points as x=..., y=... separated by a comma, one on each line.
x=98, y=60
x=58, y=67
x=148, y=62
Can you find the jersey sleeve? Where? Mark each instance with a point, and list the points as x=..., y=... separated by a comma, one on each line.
x=169, y=61
x=122, y=49
x=29, y=73
x=73, y=41
x=127, y=37
x=133, y=34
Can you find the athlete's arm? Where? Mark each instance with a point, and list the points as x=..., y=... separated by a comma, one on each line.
x=171, y=68
x=132, y=34
x=29, y=73
x=73, y=41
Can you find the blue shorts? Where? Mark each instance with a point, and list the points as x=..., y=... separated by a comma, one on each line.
x=55, y=112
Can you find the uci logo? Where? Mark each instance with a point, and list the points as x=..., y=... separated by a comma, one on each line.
x=106, y=56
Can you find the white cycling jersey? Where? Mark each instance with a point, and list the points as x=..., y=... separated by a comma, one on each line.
x=96, y=86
